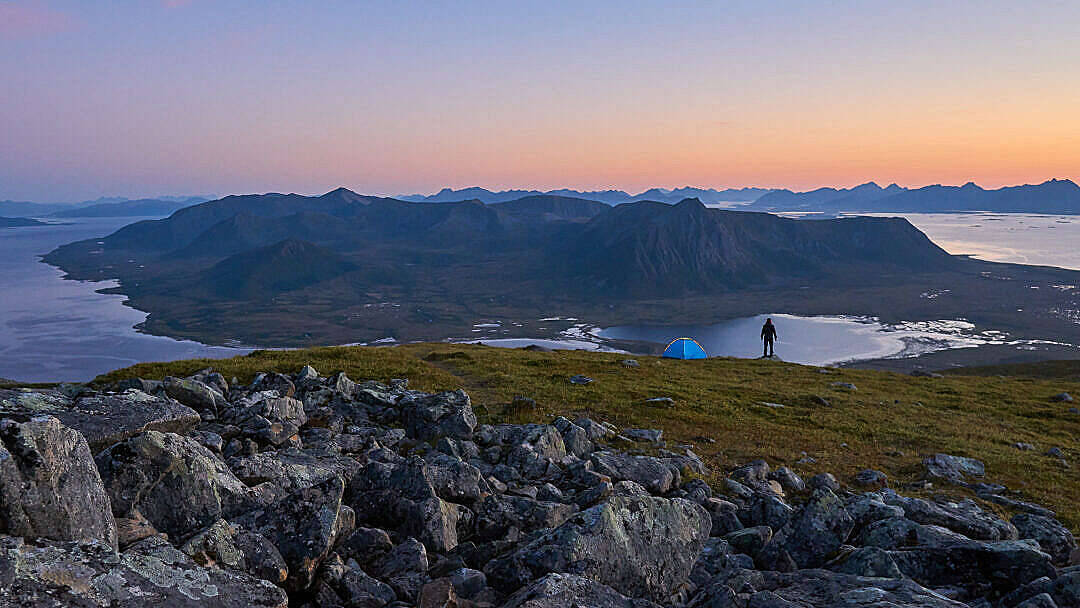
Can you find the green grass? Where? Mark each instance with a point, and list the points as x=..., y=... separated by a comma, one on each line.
x=890, y=423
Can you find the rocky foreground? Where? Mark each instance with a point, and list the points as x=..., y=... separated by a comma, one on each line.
x=313, y=491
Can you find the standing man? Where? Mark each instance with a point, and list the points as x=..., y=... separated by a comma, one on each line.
x=768, y=336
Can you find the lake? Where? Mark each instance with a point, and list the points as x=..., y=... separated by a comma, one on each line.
x=1019, y=238
x=815, y=340
x=53, y=330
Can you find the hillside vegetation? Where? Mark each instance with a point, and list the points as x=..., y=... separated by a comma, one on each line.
x=890, y=422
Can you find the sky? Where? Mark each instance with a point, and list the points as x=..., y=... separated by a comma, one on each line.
x=152, y=97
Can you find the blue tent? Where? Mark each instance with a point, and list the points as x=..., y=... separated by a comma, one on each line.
x=684, y=348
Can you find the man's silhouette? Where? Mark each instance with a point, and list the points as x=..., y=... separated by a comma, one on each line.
x=768, y=336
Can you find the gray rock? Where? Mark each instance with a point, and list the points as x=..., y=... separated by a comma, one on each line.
x=179, y=486
x=570, y=590
x=898, y=532
x=823, y=480
x=655, y=474
x=575, y=439
x=828, y=589
x=813, y=535
x=1053, y=537
x=641, y=547
x=402, y=497
x=194, y=394
x=1062, y=398
x=596, y=430
x=869, y=508
x=1043, y=600
x=646, y=435
x=502, y=516
x=455, y=480
x=225, y=545
x=278, y=383
x=292, y=469
x=404, y=568
x=868, y=561
x=869, y=478
x=303, y=525
x=844, y=385
x=49, y=485
x=150, y=573
x=579, y=379
x=468, y=583
x=749, y=540
x=964, y=517
x=953, y=469
x=103, y=419
x=1004, y=565
x=447, y=414
x=788, y=480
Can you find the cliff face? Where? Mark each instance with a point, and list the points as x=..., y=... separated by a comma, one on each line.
x=688, y=247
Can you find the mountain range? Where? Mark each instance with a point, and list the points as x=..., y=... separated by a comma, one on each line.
x=1054, y=197
x=102, y=207
x=18, y=222
x=290, y=270
x=610, y=197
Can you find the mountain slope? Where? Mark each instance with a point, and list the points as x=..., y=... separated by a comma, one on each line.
x=687, y=247
x=130, y=208
x=266, y=271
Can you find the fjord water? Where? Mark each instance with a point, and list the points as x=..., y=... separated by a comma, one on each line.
x=812, y=340
x=57, y=330
x=1017, y=238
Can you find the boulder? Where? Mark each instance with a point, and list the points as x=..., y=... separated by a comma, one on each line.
x=226, y=545
x=964, y=517
x=303, y=526
x=1053, y=537
x=455, y=480
x=446, y=414
x=178, y=485
x=49, y=485
x=655, y=474
x=499, y=516
x=639, y=546
x=897, y=532
x=812, y=535
x=953, y=469
x=564, y=590
x=404, y=568
x=194, y=394
x=402, y=497
x=869, y=478
x=1004, y=565
x=292, y=469
x=149, y=573
x=103, y=419
x=867, y=561
x=825, y=588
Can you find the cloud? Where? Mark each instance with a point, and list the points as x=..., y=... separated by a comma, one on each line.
x=29, y=20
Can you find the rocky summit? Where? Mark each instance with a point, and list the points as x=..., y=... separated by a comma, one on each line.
x=316, y=491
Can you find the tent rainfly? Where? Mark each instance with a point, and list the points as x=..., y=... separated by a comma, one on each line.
x=684, y=348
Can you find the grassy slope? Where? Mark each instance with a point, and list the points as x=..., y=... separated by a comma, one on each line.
x=890, y=423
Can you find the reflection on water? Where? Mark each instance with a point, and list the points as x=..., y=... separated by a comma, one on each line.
x=815, y=340
x=53, y=330
x=1019, y=238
